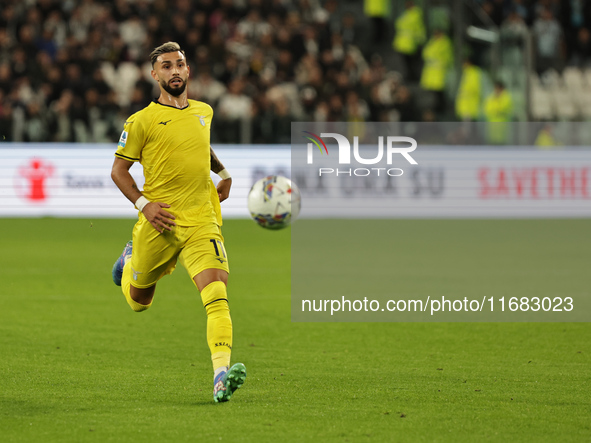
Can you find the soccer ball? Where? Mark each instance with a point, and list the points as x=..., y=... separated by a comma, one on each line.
x=274, y=202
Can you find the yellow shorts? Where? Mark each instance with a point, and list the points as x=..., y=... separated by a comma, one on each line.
x=155, y=255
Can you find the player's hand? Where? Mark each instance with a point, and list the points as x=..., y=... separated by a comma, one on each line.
x=224, y=189
x=158, y=217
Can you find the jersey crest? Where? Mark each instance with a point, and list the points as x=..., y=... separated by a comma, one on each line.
x=201, y=119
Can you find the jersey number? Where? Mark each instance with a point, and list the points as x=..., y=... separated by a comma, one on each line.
x=221, y=247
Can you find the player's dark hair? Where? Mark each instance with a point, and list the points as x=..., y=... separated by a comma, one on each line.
x=164, y=49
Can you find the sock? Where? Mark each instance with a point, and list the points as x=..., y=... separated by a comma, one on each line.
x=219, y=323
x=126, y=288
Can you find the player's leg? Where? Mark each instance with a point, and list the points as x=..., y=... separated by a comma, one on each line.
x=152, y=256
x=139, y=299
x=117, y=272
x=205, y=258
x=212, y=285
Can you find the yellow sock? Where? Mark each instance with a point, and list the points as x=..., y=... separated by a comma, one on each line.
x=219, y=323
x=126, y=288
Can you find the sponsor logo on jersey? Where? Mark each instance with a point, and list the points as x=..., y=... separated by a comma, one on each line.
x=165, y=123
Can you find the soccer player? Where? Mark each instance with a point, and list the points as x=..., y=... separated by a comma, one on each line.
x=179, y=207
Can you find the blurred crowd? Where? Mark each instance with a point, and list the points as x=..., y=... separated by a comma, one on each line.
x=561, y=28
x=73, y=70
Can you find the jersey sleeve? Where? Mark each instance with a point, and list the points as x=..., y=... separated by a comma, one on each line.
x=132, y=140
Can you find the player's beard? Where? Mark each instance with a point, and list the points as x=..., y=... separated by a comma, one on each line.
x=174, y=91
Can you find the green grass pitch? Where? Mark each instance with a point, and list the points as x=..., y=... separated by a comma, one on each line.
x=77, y=364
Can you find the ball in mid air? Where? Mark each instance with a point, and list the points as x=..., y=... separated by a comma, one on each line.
x=274, y=202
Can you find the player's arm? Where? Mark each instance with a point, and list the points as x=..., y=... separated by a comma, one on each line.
x=226, y=181
x=153, y=211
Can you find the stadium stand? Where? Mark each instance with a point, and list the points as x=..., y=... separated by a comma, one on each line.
x=73, y=70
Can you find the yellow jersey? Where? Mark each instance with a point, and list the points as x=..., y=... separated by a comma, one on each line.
x=173, y=146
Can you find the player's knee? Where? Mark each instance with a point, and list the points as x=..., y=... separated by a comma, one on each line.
x=137, y=307
x=140, y=299
x=215, y=298
x=217, y=308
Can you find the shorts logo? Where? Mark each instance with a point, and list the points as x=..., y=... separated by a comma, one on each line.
x=135, y=274
x=123, y=139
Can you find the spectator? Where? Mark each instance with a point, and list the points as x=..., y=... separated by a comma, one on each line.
x=581, y=50
x=438, y=60
x=5, y=118
x=285, y=66
x=356, y=110
x=404, y=104
x=137, y=103
x=545, y=139
x=494, y=9
x=46, y=43
x=498, y=106
x=56, y=26
x=522, y=9
x=308, y=96
x=281, y=122
x=498, y=110
x=409, y=37
x=69, y=71
x=513, y=37
x=377, y=11
x=234, y=111
x=469, y=92
x=310, y=40
x=26, y=39
x=206, y=88
x=575, y=16
x=234, y=104
x=252, y=27
x=350, y=33
x=335, y=108
x=62, y=116
x=5, y=78
x=548, y=35
x=22, y=65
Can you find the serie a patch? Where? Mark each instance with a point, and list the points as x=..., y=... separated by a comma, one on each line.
x=122, y=139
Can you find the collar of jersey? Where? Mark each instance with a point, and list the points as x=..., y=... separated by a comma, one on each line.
x=168, y=106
